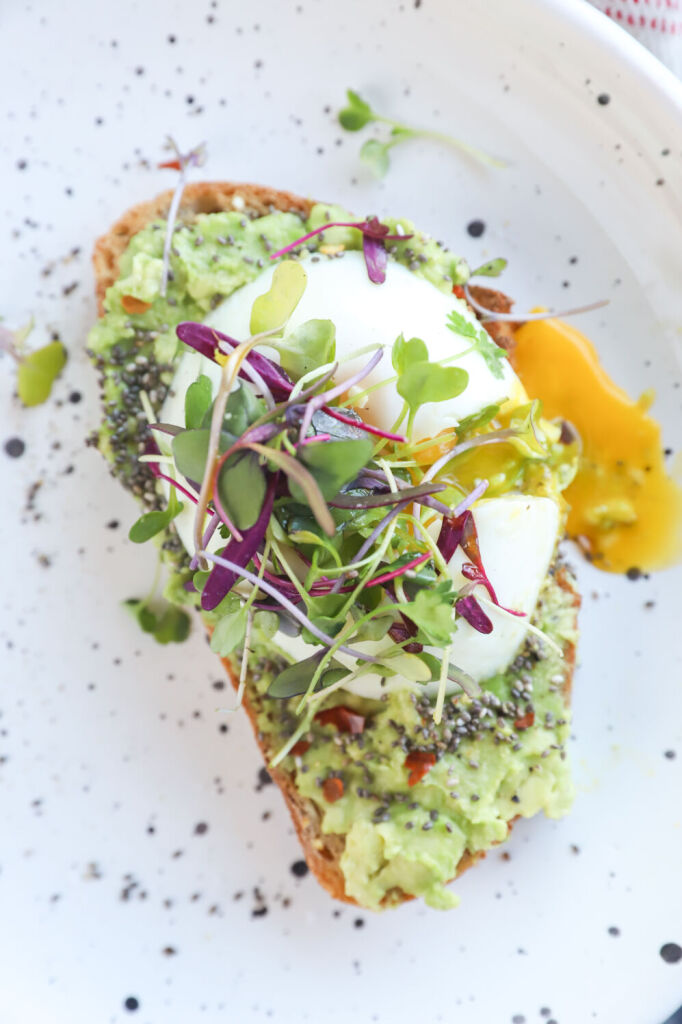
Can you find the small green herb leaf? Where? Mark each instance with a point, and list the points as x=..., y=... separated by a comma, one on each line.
x=229, y=632
x=241, y=488
x=197, y=402
x=311, y=345
x=375, y=155
x=151, y=523
x=406, y=353
x=190, y=449
x=432, y=611
x=476, y=420
x=302, y=485
x=336, y=463
x=491, y=269
x=271, y=310
x=242, y=409
x=429, y=382
x=170, y=625
x=295, y=679
x=492, y=354
x=356, y=114
x=38, y=371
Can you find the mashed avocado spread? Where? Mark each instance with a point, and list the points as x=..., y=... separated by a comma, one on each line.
x=411, y=797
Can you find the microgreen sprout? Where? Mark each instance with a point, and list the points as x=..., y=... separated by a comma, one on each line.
x=357, y=114
x=37, y=370
x=181, y=162
x=489, y=316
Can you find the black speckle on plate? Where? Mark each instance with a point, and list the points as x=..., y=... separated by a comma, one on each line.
x=299, y=868
x=476, y=228
x=603, y=99
x=131, y=1004
x=614, y=931
x=15, y=447
x=671, y=952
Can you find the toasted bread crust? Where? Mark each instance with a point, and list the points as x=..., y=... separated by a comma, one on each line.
x=322, y=852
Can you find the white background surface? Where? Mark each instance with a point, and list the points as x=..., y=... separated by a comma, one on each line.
x=112, y=747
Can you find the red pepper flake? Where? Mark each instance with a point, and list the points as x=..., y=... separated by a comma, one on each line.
x=332, y=789
x=344, y=718
x=173, y=165
x=525, y=721
x=419, y=763
x=133, y=305
x=459, y=291
x=300, y=748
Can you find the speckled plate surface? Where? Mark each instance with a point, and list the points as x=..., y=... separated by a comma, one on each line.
x=147, y=872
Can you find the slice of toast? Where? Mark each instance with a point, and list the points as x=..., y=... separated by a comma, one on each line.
x=322, y=851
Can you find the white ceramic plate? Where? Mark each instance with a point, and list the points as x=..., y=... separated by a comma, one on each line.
x=112, y=749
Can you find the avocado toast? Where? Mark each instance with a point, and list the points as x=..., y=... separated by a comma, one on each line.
x=406, y=664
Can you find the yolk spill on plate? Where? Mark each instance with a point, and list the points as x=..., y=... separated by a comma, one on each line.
x=625, y=511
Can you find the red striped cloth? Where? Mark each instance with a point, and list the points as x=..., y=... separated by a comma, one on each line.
x=655, y=23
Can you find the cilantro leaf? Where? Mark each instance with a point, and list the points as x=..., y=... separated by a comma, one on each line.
x=38, y=371
x=492, y=354
x=432, y=611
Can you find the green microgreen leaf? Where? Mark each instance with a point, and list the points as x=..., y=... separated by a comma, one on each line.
x=375, y=155
x=169, y=624
x=302, y=485
x=229, y=632
x=272, y=310
x=336, y=463
x=356, y=114
x=429, y=382
x=492, y=354
x=242, y=409
x=241, y=488
x=405, y=353
x=265, y=624
x=477, y=420
x=197, y=402
x=295, y=679
x=493, y=268
x=190, y=449
x=38, y=371
x=311, y=345
x=432, y=611
x=151, y=523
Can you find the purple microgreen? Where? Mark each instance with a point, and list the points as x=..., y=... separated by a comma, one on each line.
x=464, y=680
x=315, y=437
x=376, y=258
x=206, y=340
x=320, y=401
x=213, y=525
x=400, y=571
x=181, y=163
x=385, y=498
x=222, y=578
x=361, y=425
x=470, y=610
x=288, y=605
x=374, y=236
x=522, y=318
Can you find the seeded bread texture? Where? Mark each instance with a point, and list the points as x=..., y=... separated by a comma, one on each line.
x=322, y=852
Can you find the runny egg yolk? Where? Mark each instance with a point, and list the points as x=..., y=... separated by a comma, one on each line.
x=624, y=510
